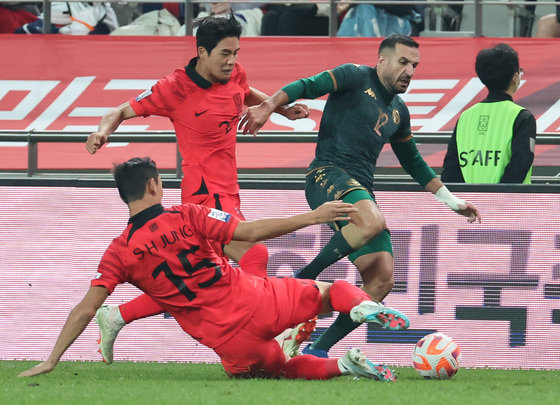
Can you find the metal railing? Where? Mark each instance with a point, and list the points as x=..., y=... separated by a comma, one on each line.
x=34, y=138
x=333, y=17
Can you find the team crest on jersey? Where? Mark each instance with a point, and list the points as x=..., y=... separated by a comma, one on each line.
x=370, y=93
x=396, y=117
x=219, y=215
x=97, y=275
x=144, y=95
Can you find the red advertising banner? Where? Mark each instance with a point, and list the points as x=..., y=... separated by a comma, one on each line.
x=67, y=83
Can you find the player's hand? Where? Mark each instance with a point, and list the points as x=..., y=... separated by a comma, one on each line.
x=334, y=211
x=41, y=368
x=296, y=112
x=95, y=141
x=470, y=211
x=254, y=118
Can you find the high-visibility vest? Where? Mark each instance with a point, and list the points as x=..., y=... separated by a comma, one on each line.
x=484, y=134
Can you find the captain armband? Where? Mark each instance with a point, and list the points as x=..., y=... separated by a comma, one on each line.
x=445, y=196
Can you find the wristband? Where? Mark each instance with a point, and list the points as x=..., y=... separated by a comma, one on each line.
x=445, y=196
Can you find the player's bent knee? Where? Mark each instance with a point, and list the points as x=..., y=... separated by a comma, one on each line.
x=378, y=289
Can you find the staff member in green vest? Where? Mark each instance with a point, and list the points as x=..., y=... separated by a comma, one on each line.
x=494, y=140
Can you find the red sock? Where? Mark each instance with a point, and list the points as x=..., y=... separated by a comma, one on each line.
x=345, y=296
x=140, y=307
x=311, y=368
x=255, y=260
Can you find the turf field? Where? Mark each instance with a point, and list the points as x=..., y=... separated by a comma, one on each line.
x=170, y=383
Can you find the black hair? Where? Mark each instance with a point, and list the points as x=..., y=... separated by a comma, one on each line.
x=132, y=176
x=496, y=66
x=392, y=40
x=212, y=30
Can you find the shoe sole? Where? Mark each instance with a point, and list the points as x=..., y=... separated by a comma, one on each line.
x=99, y=342
x=299, y=334
x=100, y=352
x=390, y=319
x=315, y=352
x=377, y=372
x=383, y=373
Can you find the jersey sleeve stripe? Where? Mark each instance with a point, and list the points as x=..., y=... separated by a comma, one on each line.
x=334, y=80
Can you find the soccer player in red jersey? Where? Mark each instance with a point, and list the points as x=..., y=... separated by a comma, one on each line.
x=166, y=253
x=203, y=101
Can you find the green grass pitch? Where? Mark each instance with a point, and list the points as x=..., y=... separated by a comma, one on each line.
x=180, y=383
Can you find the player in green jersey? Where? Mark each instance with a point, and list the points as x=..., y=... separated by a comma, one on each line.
x=362, y=113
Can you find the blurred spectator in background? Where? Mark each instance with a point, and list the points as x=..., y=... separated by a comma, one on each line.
x=293, y=19
x=76, y=18
x=14, y=15
x=163, y=19
x=548, y=26
x=368, y=20
x=451, y=16
x=158, y=21
x=249, y=15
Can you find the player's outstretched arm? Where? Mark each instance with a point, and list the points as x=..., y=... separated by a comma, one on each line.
x=256, y=116
x=293, y=112
x=108, y=124
x=462, y=207
x=262, y=229
x=406, y=151
x=77, y=321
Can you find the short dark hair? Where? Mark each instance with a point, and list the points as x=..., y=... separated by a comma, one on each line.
x=212, y=30
x=392, y=40
x=496, y=66
x=132, y=176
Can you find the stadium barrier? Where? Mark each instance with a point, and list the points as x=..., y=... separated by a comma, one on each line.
x=264, y=174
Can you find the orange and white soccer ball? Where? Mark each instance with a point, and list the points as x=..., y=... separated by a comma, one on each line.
x=436, y=356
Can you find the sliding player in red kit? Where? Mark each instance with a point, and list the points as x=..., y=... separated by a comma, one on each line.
x=166, y=253
x=203, y=101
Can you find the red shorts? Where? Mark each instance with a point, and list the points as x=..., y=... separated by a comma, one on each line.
x=229, y=203
x=253, y=351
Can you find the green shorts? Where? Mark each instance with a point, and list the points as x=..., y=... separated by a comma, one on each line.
x=329, y=183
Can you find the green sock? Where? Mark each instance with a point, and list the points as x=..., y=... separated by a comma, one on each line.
x=341, y=327
x=334, y=250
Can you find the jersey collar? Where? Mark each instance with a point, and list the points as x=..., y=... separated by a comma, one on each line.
x=385, y=94
x=194, y=76
x=140, y=219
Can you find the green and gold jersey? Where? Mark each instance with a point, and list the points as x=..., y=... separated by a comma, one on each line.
x=360, y=116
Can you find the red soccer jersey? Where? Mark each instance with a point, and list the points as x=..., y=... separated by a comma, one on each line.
x=166, y=254
x=205, y=117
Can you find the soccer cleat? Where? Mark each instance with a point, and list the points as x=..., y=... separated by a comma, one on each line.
x=110, y=322
x=354, y=362
x=298, y=335
x=389, y=318
x=315, y=352
x=297, y=274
